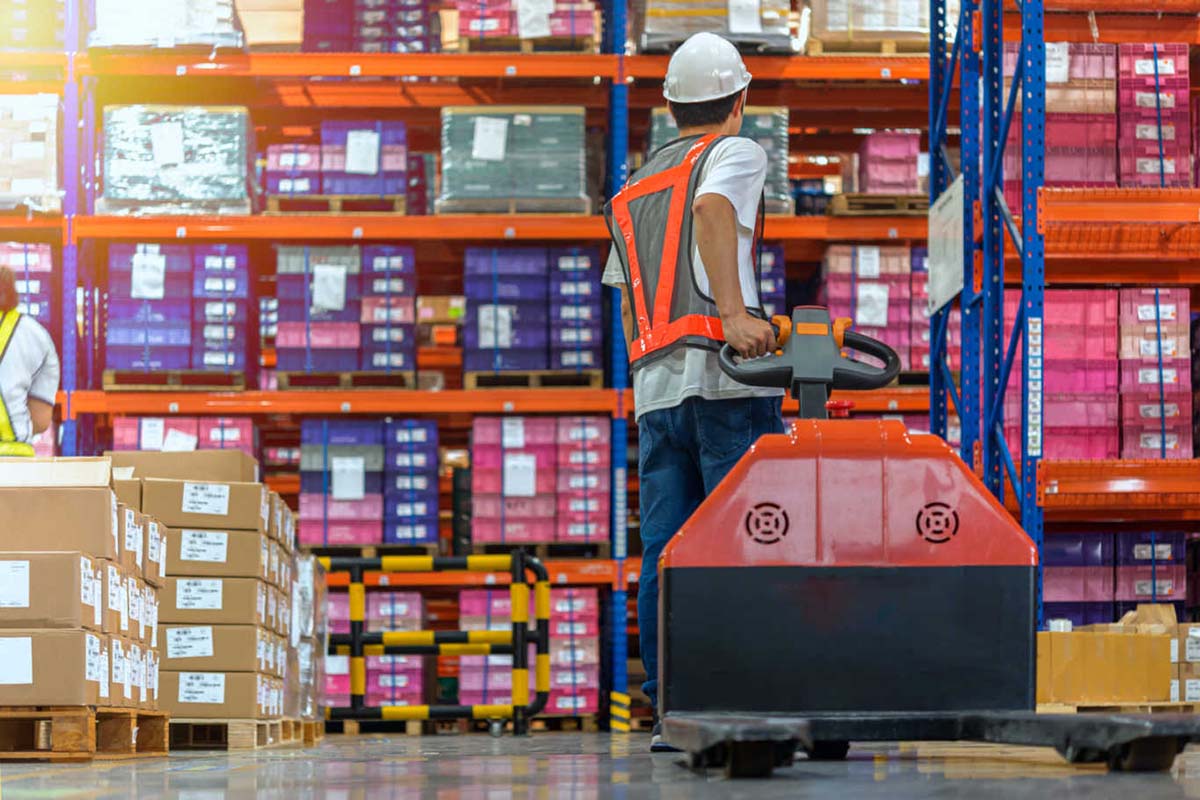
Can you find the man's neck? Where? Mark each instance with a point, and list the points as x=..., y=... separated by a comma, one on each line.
x=700, y=130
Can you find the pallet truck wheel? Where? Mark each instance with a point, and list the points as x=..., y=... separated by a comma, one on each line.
x=496, y=728
x=1145, y=755
x=829, y=751
x=1083, y=755
x=750, y=760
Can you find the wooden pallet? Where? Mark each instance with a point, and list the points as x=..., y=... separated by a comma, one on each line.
x=564, y=206
x=234, y=734
x=515, y=44
x=641, y=722
x=917, y=48
x=347, y=380
x=878, y=205
x=375, y=550
x=411, y=727
x=583, y=723
x=81, y=733
x=535, y=379
x=545, y=550
x=1119, y=708
x=335, y=204
x=173, y=380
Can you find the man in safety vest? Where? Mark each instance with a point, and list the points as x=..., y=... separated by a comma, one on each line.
x=685, y=231
x=28, y=374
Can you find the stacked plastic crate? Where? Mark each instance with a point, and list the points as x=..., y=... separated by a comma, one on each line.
x=33, y=25
x=872, y=286
x=772, y=280
x=341, y=482
x=181, y=434
x=369, y=26
x=149, y=322
x=1078, y=574
x=887, y=163
x=293, y=168
x=507, y=310
x=1081, y=119
x=33, y=266
x=389, y=288
x=410, y=474
x=319, y=308
x=1151, y=568
x=1079, y=396
x=364, y=157
x=1156, y=375
x=584, y=460
x=481, y=21
x=1155, y=129
x=485, y=680
x=921, y=351
x=395, y=680
x=220, y=310
x=576, y=313
x=514, y=478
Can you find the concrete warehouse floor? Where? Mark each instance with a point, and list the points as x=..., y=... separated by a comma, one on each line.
x=571, y=765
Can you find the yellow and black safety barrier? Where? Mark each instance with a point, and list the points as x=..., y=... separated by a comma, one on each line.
x=358, y=644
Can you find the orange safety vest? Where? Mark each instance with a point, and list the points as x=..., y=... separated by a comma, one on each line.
x=651, y=224
x=9, y=446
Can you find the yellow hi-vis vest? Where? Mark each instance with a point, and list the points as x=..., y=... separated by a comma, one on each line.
x=9, y=446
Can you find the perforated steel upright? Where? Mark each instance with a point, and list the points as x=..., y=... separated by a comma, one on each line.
x=71, y=166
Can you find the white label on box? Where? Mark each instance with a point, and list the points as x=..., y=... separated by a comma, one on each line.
x=179, y=442
x=133, y=535
x=264, y=557
x=166, y=142
x=490, y=142
x=1151, y=375
x=533, y=18
x=496, y=326
x=260, y=651
x=87, y=582
x=1154, y=411
x=216, y=263
x=197, y=594
x=329, y=287
x=1145, y=66
x=147, y=276
x=1153, y=441
x=1058, y=62
x=1142, y=552
x=93, y=668
x=206, y=498
x=151, y=607
x=1191, y=691
x=393, y=681
x=1145, y=131
x=202, y=687
x=570, y=628
x=1149, y=348
x=520, y=475
x=868, y=261
x=512, y=433
x=1175, y=690
x=745, y=16
x=1166, y=312
x=1148, y=166
x=14, y=584
x=155, y=547
x=150, y=433
x=349, y=477
x=362, y=152
x=872, y=305
x=16, y=660
x=211, y=546
x=116, y=523
x=196, y=642
x=1146, y=99
x=1191, y=649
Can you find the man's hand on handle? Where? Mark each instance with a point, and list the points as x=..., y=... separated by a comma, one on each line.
x=750, y=336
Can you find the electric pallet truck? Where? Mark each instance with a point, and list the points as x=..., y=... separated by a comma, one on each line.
x=850, y=581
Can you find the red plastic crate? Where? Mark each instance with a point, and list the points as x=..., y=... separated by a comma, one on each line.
x=514, y=432
x=1144, y=441
x=1135, y=584
x=1146, y=408
x=1138, y=305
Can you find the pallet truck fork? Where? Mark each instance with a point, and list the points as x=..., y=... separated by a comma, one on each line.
x=850, y=581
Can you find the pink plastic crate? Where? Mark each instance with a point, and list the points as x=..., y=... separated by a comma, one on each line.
x=481, y=602
x=580, y=678
x=392, y=158
x=578, y=652
x=890, y=145
x=1136, y=170
x=1084, y=61
x=226, y=433
x=388, y=663
x=1087, y=444
x=379, y=310
x=491, y=481
x=319, y=336
x=1078, y=584
x=584, y=502
x=397, y=698
x=514, y=432
x=574, y=603
x=487, y=456
x=407, y=682
x=1136, y=61
x=844, y=259
x=338, y=610
x=315, y=533
x=576, y=24
x=395, y=609
x=526, y=530
x=1145, y=441
x=1144, y=408
x=578, y=480
x=582, y=529
x=1138, y=305
x=318, y=506
x=485, y=24
x=22, y=257
x=596, y=456
x=297, y=158
x=149, y=433
x=492, y=679
x=589, y=432
x=1072, y=307
x=1145, y=375
x=491, y=506
x=1143, y=342
x=1070, y=410
x=1134, y=584
x=575, y=702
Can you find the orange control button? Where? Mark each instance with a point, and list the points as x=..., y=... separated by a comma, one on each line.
x=840, y=326
x=812, y=329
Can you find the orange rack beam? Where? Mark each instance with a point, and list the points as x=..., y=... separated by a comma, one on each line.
x=384, y=401
x=848, y=228
x=1120, y=490
x=1119, y=206
x=816, y=68
x=563, y=571
x=42, y=225
x=1111, y=28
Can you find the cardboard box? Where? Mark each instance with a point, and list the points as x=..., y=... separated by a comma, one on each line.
x=1189, y=643
x=1087, y=667
x=213, y=695
x=199, y=465
x=215, y=506
x=156, y=552
x=132, y=539
x=275, y=529
x=152, y=669
x=95, y=473
x=40, y=667
x=50, y=590
x=129, y=492
x=139, y=610
x=275, y=568
x=223, y=601
x=116, y=599
x=232, y=554
x=150, y=612
x=218, y=648
x=81, y=519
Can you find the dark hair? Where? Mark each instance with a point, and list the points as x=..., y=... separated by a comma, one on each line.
x=8, y=290
x=710, y=112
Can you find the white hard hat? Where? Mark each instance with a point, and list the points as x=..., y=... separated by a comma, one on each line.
x=705, y=67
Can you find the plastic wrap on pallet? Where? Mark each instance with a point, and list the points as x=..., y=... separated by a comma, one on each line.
x=661, y=25
x=176, y=160
x=865, y=21
x=29, y=139
x=513, y=158
x=166, y=24
x=38, y=25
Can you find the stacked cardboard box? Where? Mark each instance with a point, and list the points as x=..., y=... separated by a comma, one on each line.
x=872, y=285
x=80, y=576
x=584, y=479
x=33, y=264
x=1153, y=114
x=29, y=141
x=177, y=160
x=410, y=491
x=1156, y=374
x=272, y=24
x=341, y=481
x=370, y=26
x=514, y=479
x=845, y=22
x=183, y=434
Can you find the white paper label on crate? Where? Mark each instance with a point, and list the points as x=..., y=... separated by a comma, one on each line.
x=574, y=263
x=496, y=326
x=490, y=140
x=166, y=143
x=14, y=584
x=147, y=276
x=393, y=681
x=197, y=594
x=206, y=498
x=1166, y=312
x=225, y=285
x=388, y=334
x=1149, y=348
x=575, y=336
x=584, y=481
x=395, y=360
x=512, y=433
x=1154, y=411
x=215, y=359
x=867, y=258
x=1058, y=62
x=202, y=687
x=1142, y=552
x=1151, y=375
x=1154, y=441
x=389, y=263
x=294, y=158
x=411, y=509
x=16, y=660
x=210, y=546
x=1144, y=588
x=362, y=152
x=337, y=665
x=195, y=642
x=27, y=186
x=349, y=477
x=871, y=308
x=386, y=285
x=329, y=287
x=585, y=457
x=216, y=263
x=533, y=18
x=591, y=504
x=1154, y=166
x=1150, y=132
x=570, y=628
x=520, y=475
x=570, y=703
x=28, y=287
x=745, y=16
x=1145, y=66
x=150, y=433
x=295, y=185
x=569, y=678
x=583, y=529
x=411, y=436
x=1147, y=99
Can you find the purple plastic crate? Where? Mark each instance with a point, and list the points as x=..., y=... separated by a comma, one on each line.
x=206, y=286
x=227, y=334
x=423, y=458
x=567, y=288
x=379, y=258
x=153, y=334
x=575, y=261
x=381, y=184
x=409, y=480
x=175, y=286
x=209, y=359
x=148, y=311
x=382, y=360
x=293, y=311
x=581, y=312
x=1098, y=550
x=499, y=360
x=428, y=496
x=217, y=311
x=317, y=483
x=518, y=313
x=176, y=257
x=221, y=259
x=148, y=359
x=1063, y=550
x=505, y=287
x=410, y=533
x=402, y=433
x=527, y=261
x=379, y=336
x=580, y=337
x=522, y=337
x=1134, y=548
x=336, y=131
x=385, y=285
x=574, y=358
x=341, y=431
x=306, y=183
x=293, y=287
x=297, y=360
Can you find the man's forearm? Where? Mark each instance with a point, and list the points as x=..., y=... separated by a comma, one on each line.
x=716, y=237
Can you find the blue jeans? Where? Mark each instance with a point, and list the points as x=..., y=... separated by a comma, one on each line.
x=683, y=453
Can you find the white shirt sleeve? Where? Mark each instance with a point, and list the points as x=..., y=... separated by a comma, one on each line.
x=614, y=273
x=44, y=385
x=736, y=170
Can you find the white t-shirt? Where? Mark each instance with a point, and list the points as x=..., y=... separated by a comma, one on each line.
x=29, y=369
x=735, y=169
